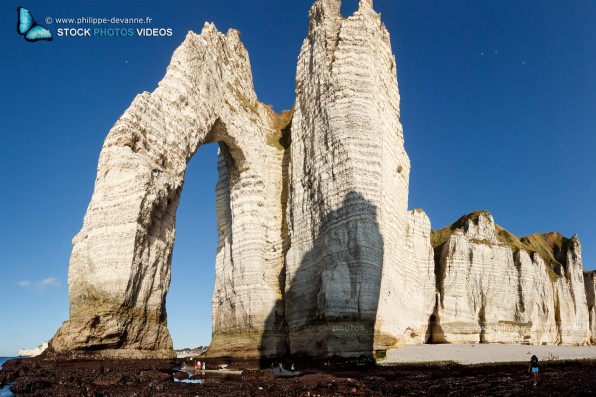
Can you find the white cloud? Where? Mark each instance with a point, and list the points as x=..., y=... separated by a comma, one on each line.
x=24, y=283
x=48, y=282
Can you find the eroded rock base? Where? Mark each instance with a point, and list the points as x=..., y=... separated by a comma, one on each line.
x=35, y=377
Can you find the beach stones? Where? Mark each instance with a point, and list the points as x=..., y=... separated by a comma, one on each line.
x=180, y=375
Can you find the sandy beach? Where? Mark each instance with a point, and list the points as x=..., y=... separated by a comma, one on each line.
x=486, y=353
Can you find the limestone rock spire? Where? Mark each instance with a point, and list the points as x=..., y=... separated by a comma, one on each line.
x=365, y=4
x=347, y=210
x=331, y=7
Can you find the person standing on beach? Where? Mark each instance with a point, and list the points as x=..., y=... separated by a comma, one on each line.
x=534, y=368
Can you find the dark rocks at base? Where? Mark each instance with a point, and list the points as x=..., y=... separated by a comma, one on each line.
x=154, y=376
x=181, y=375
x=34, y=377
x=58, y=377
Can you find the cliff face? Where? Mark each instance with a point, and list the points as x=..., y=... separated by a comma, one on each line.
x=496, y=288
x=418, y=284
x=33, y=352
x=120, y=265
x=348, y=261
x=590, y=283
x=317, y=253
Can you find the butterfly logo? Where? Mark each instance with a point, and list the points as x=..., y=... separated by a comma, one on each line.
x=26, y=26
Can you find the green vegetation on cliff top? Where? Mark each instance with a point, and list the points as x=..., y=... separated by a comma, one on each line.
x=280, y=139
x=440, y=236
x=549, y=246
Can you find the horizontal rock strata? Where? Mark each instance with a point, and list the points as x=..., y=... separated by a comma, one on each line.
x=497, y=288
x=590, y=283
x=348, y=268
x=317, y=252
x=120, y=265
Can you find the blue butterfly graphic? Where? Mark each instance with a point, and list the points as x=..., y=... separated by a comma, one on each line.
x=27, y=26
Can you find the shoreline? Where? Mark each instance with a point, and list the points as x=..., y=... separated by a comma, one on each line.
x=484, y=353
x=48, y=377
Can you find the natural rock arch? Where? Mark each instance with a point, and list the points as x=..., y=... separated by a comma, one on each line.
x=298, y=193
x=120, y=266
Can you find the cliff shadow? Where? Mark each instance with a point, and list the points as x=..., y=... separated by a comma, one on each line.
x=332, y=296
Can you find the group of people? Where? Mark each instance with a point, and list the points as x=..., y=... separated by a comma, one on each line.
x=199, y=366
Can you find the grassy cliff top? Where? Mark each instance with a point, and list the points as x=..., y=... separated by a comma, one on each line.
x=281, y=126
x=440, y=236
x=548, y=245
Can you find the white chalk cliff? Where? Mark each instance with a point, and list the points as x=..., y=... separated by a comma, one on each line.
x=496, y=288
x=119, y=270
x=352, y=281
x=590, y=282
x=33, y=352
x=317, y=252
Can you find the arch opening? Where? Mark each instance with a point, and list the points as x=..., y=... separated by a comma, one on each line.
x=203, y=225
x=188, y=302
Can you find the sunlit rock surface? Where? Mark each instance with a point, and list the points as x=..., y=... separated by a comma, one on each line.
x=496, y=288
x=33, y=352
x=348, y=286
x=120, y=265
x=590, y=283
x=317, y=252
x=418, y=285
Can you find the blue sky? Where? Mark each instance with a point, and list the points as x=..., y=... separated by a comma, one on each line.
x=498, y=108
